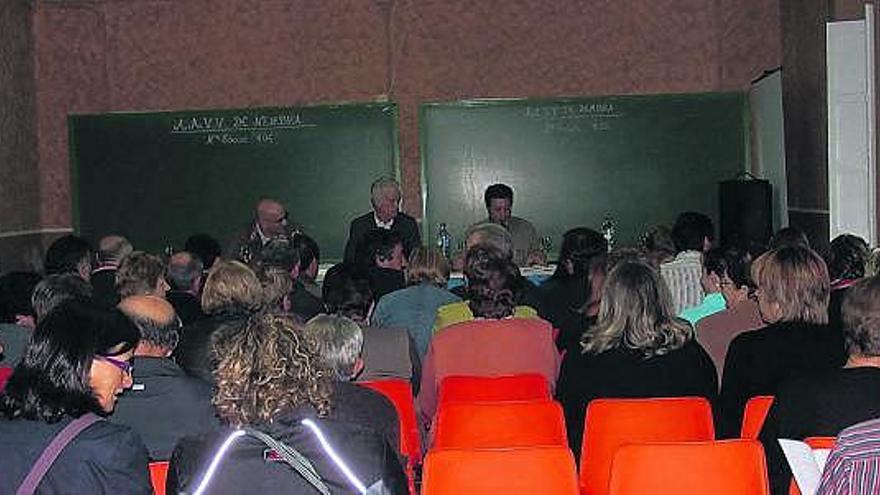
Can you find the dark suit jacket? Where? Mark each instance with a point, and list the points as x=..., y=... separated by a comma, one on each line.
x=164, y=405
x=404, y=225
x=104, y=291
x=186, y=306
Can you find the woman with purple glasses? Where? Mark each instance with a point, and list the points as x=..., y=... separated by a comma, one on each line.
x=52, y=435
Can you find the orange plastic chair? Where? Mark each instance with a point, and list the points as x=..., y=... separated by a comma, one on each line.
x=462, y=425
x=730, y=467
x=520, y=387
x=610, y=423
x=158, y=474
x=399, y=392
x=815, y=443
x=528, y=471
x=754, y=416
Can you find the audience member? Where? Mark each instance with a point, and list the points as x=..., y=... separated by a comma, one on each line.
x=852, y=467
x=184, y=275
x=658, y=245
x=70, y=254
x=111, y=250
x=141, y=273
x=279, y=255
x=693, y=234
x=389, y=352
x=386, y=214
x=846, y=264
x=75, y=367
x=825, y=402
x=637, y=348
x=415, y=307
x=715, y=332
x=340, y=344
x=277, y=286
x=232, y=293
x=524, y=238
x=205, y=248
x=714, y=269
x=270, y=221
x=569, y=299
x=163, y=404
x=792, y=295
x=381, y=256
x=273, y=387
x=53, y=290
x=494, y=343
x=17, y=316
x=789, y=237
x=309, y=260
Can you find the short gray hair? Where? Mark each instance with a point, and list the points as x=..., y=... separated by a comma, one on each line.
x=182, y=275
x=112, y=248
x=340, y=342
x=383, y=184
x=492, y=235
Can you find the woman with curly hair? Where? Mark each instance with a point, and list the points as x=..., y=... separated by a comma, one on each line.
x=495, y=342
x=276, y=394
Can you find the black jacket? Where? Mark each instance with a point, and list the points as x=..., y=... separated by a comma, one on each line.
x=164, y=404
x=193, y=352
x=245, y=468
x=103, y=458
x=404, y=225
x=187, y=307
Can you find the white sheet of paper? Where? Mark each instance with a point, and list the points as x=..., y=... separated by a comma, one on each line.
x=806, y=464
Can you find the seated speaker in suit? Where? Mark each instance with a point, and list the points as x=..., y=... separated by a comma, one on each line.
x=270, y=221
x=386, y=214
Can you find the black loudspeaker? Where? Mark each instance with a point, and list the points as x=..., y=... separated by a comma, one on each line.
x=746, y=213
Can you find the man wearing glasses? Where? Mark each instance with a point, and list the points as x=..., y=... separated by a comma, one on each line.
x=270, y=221
x=164, y=403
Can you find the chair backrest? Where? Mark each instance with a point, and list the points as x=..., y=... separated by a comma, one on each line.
x=399, y=392
x=754, y=415
x=526, y=471
x=158, y=473
x=815, y=443
x=462, y=425
x=5, y=373
x=729, y=467
x=610, y=423
x=519, y=387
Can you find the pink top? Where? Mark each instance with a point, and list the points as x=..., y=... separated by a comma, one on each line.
x=715, y=332
x=487, y=348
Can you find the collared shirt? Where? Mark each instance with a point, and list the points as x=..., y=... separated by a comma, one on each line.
x=682, y=276
x=383, y=225
x=854, y=465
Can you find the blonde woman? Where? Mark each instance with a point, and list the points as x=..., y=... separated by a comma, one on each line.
x=637, y=348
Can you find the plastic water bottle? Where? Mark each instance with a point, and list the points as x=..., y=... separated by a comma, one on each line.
x=609, y=229
x=444, y=241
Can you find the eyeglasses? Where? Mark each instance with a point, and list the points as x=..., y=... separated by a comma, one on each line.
x=123, y=366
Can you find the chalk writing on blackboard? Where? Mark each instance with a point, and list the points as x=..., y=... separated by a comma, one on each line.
x=574, y=117
x=238, y=129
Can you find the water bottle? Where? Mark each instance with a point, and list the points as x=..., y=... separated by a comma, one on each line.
x=609, y=229
x=444, y=241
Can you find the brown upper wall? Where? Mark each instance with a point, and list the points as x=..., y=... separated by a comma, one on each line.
x=110, y=55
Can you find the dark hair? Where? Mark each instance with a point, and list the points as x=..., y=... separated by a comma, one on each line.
x=52, y=380
x=498, y=191
x=153, y=332
x=690, y=229
x=346, y=292
x=182, y=275
x=139, y=273
x=491, y=282
x=861, y=317
x=789, y=237
x=66, y=254
x=733, y=262
x=847, y=257
x=377, y=243
x=307, y=249
x=56, y=289
x=205, y=247
x=15, y=295
x=584, y=252
x=279, y=253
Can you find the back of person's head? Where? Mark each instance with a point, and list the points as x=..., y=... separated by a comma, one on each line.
x=860, y=311
x=872, y=265
x=847, y=257
x=734, y=263
x=156, y=320
x=270, y=366
x=658, y=244
x=53, y=290
x=231, y=288
x=580, y=250
x=112, y=249
x=53, y=378
x=279, y=253
x=277, y=286
x=497, y=191
x=346, y=292
x=139, y=273
x=491, y=282
x=340, y=343
x=793, y=285
x=427, y=265
x=376, y=246
x=307, y=250
x=184, y=270
x=789, y=237
x=15, y=295
x=491, y=235
x=69, y=254
x=691, y=231
x=636, y=314
x=205, y=247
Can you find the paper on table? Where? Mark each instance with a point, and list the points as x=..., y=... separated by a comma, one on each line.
x=806, y=464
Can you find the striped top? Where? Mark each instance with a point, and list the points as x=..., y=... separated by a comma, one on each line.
x=854, y=465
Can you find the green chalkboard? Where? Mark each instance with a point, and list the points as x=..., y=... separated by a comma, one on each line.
x=571, y=162
x=160, y=177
